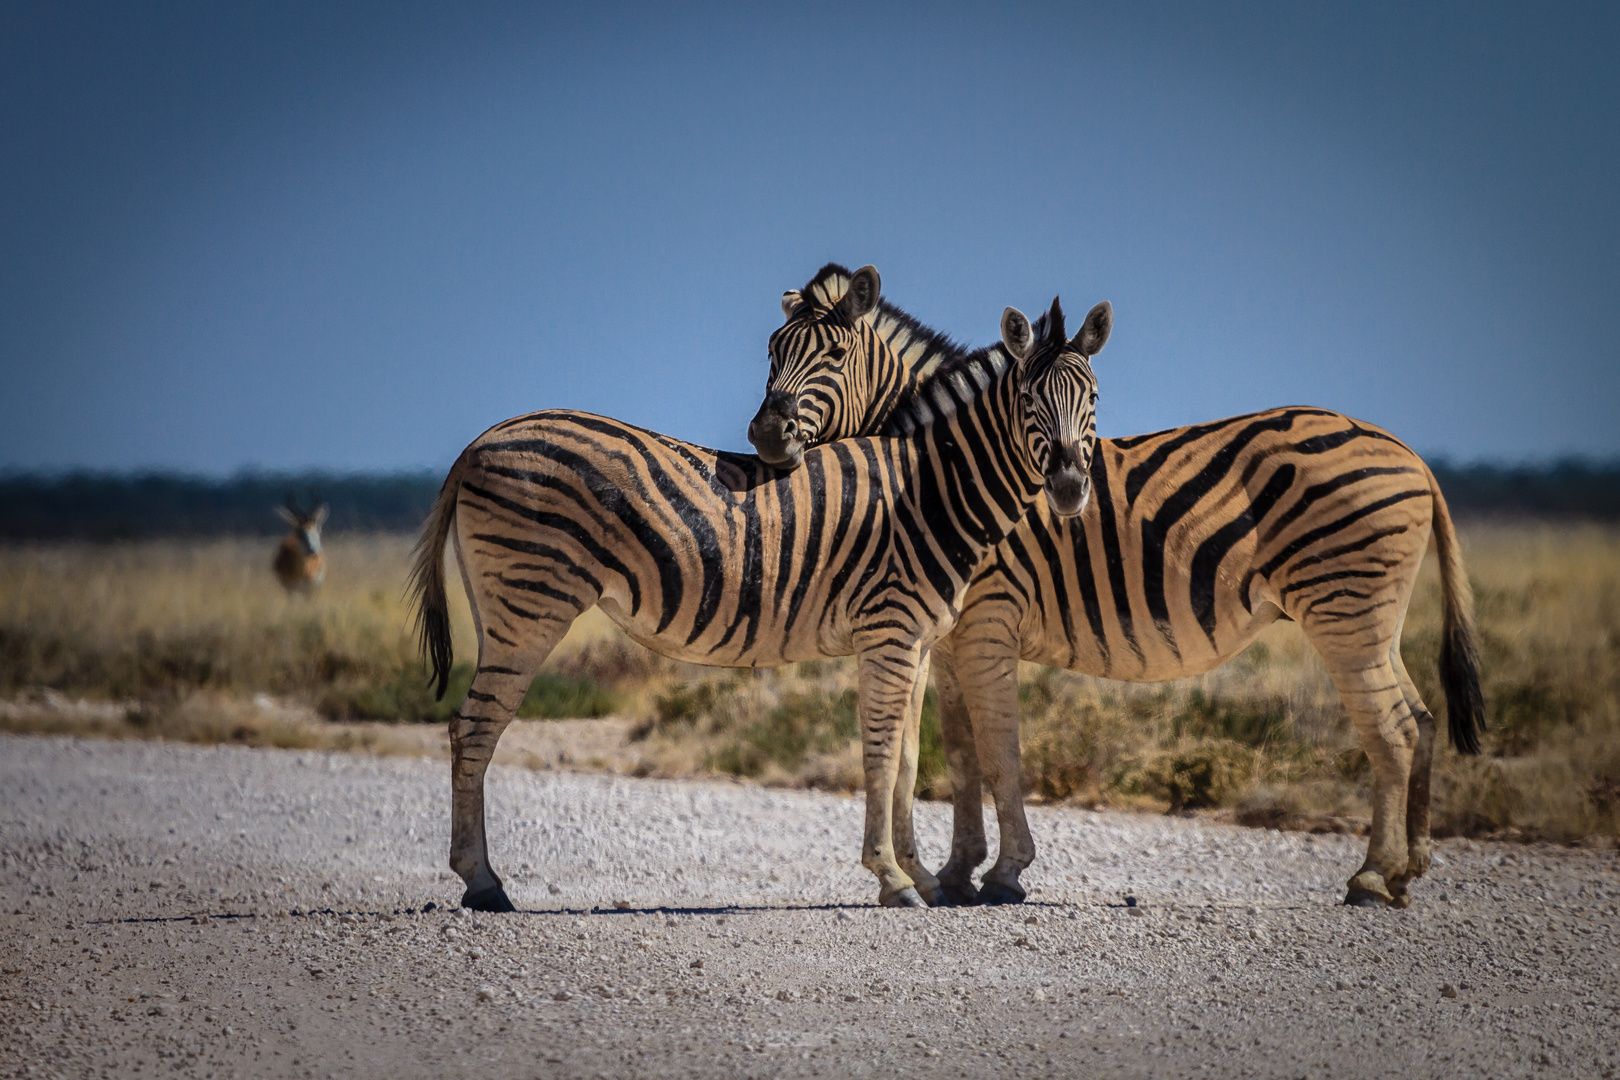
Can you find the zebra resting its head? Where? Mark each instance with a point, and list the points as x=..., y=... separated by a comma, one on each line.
x=1057, y=394
x=822, y=358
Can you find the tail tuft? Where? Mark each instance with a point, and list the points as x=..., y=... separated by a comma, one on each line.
x=427, y=583
x=1465, y=704
x=1459, y=655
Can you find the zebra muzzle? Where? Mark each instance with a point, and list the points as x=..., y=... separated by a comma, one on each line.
x=1067, y=490
x=776, y=433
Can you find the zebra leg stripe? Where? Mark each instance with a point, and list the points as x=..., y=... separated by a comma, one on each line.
x=474, y=732
x=1389, y=734
x=905, y=788
x=968, y=846
x=1417, y=792
x=987, y=665
x=887, y=679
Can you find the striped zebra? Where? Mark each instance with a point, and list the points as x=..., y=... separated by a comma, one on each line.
x=1196, y=539
x=866, y=549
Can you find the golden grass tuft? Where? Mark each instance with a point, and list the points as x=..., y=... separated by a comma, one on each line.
x=183, y=636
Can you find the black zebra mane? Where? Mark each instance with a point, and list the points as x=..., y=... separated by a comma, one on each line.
x=924, y=392
x=832, y=281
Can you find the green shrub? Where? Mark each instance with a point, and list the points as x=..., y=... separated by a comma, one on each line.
x=686, y=703
x=1252, y=723
x=1214, y=773
x=408, y=696
x=800, y=725
x=553, y=696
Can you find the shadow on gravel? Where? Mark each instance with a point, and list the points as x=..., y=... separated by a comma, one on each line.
x=691, y=911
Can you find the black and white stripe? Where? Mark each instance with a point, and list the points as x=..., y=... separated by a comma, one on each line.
x=867, y=549
x=1196, y=539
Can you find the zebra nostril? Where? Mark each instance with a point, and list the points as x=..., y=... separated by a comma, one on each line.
x=789, y=429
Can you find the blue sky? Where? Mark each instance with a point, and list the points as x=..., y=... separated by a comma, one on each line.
x=354, y=236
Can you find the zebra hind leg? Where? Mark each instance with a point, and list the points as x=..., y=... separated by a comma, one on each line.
x=1390, y=735
x=968, y=846
x=497, y=690
x=1417, y=790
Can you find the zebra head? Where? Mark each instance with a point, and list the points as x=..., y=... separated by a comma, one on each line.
x=1057, y=396
x=822, y=360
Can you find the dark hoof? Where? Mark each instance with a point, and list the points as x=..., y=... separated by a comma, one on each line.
x=1364, y=900
x=934, y=897
x=906, y=897
x=959, y=895
x=491, y=899
x=997, y=894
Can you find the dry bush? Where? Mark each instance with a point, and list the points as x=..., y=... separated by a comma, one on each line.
x=188, y=631
x=157, y=622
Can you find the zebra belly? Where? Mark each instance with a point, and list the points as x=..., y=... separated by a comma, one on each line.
x=767, y=650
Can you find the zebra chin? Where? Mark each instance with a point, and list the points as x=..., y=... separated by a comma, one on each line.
x=777, y=439
x=785, y=459
x=1067, y=492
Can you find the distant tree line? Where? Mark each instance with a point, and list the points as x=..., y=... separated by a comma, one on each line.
x=121, y=506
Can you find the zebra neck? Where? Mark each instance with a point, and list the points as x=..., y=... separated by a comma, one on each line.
x=944, y=383
x=971, y=422
x=915, y=355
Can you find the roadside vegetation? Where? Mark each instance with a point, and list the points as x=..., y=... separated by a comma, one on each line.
x=194, y=640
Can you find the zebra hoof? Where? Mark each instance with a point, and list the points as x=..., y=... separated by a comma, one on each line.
x=958, y=895
x=906, y=897
x=934, y=896
x=490, y=899
x=1367, y=890
x=997, y=894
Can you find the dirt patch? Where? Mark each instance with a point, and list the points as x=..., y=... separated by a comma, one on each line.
x=227, y=911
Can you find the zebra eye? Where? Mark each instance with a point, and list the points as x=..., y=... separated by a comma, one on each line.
x=836, y=354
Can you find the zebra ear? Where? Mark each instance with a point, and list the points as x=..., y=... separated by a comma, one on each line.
x=790, y=301
x=1094, y=331
x=288, y=516
x=1015, y=333
x=318, y=518
x=862, y=295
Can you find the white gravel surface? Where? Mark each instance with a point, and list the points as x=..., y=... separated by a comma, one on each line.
x=176, y=910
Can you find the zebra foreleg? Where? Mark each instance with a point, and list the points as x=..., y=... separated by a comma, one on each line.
x=905, y=787
x=968, y=846
x=887, y=681
x=989, y=678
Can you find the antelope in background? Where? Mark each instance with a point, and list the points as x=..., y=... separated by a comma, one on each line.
x=298, y=563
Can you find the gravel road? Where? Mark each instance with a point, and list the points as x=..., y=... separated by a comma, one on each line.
x=177, y=910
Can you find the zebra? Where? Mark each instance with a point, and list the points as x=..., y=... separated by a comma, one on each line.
x=1197, y=538
x=717, y=558
x=298, y=563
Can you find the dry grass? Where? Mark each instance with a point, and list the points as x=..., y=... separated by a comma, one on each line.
x=184, y=637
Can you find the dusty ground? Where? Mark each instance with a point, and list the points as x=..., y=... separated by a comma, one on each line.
x=180, y=910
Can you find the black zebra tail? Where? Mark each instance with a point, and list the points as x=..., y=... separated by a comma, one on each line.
x=427, y=583
x=1459, y=655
